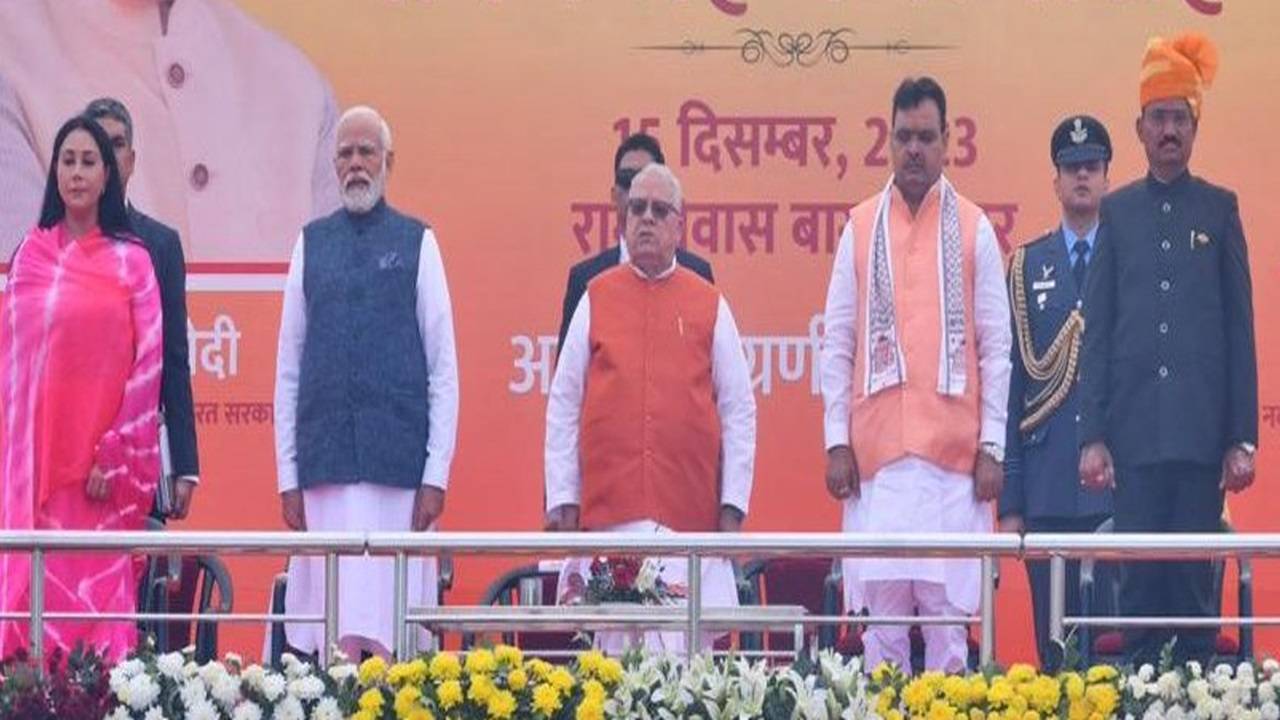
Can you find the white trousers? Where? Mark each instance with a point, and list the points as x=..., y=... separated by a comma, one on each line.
x=945, y=646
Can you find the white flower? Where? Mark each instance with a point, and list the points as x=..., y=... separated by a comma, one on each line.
x=272, y=687
x=297, y=670
x=342, y=672
x=1195, y=669
x=1266, y=693
x=192, y=693
x=131, y=668
x=155, y=713
x=170, y=665
x=307, y=688
x=253, y=676
x=211, y=671
x=1222, y=669
x=233, y=659
x=191, y=669
x=247, y=710
x=120, y=713
x=1137, y=687
x=326, y=709
x=1270, y=666
x=1146, y=672
x=226, y=690
x=139, y=693
x=203, y=710
x=1270, y=711
x=289, y=708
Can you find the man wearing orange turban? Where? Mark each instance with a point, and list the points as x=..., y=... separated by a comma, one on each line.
x=1169, y=377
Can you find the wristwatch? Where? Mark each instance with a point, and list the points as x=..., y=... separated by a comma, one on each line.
x=995, y=450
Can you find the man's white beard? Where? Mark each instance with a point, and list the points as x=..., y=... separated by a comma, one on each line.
x=361, y=199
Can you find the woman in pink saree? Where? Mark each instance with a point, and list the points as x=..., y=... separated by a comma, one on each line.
x=79, y=386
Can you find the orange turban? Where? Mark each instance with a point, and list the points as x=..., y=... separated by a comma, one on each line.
x=1179, y=68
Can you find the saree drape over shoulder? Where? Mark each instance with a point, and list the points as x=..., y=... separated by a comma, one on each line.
x=80, y=359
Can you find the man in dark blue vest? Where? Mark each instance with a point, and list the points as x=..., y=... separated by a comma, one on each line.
x=165, y=248
x=1042, y=491
x=366, y=391
x=1169, y=374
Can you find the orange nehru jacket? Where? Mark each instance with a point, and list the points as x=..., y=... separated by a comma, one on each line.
x=650, y=433
x=913, y=418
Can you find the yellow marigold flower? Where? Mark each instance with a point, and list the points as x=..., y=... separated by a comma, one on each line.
x=1074, y=685
x=932, y=679
x=539, y=669
x=561, y=680
x=1019, y=705
x=894, y=715
x=1101, y=673
x=502, y=705
x=1000, y=693
x=941, y=710
x=977, y=689
x=1097, y=716
x=1020, y=673
x=546, y=699
x=517, y=679
x=1103, y=698
x=1031, y=715
x=420, y=713
x=371, y=700
x=976, y=714
x=917, y=695
x=610, y=672
x=956, y=690
x=1045, y=694
x=417, y=670
x=445, y=666
x=508, y=655
x=481, y=689
x=589, y=710
x=407, y=699
x=481, y=662
x=589, y=661
x=882, y=674
x=884, y=701
x=372, y=670
x=594, y=691
x=1078, y=710
x=364, y=715
x=449, y=694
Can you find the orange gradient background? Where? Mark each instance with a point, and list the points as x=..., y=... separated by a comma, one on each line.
x=503, y=113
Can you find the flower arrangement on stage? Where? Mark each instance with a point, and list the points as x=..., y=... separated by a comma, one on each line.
x=629, y=580
x=501, y=684
x=71, y=687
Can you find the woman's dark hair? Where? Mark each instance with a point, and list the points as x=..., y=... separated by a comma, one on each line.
x=113, y=218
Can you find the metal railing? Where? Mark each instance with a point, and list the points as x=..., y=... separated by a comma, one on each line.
x=694, y=546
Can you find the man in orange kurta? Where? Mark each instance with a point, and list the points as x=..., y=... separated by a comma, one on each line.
x=915, y=377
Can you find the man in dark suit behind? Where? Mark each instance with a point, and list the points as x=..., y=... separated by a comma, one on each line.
x=1042, y=491
x=632, y=155
x=165, y=249
x=1169, y=375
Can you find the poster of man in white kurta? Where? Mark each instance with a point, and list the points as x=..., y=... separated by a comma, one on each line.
x=366, y=392
x=651, y=386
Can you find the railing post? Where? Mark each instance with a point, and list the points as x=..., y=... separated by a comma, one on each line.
x=35, y=629
x=400, y=634
x=330, y=606
x=1057, y=598
x=987, y=648
x=695, y=604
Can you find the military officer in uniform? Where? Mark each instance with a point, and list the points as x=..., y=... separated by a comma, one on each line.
x=1042, y=492
x=1169, y=381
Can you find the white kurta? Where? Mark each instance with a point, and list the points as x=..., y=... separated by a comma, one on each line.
x=366, y=586
x=912, y=494
x=736, y=407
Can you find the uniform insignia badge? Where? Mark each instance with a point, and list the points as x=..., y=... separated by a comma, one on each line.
x=1199, y=239
x=1044, y=284
x=1079, y=133
x=1046, y=271
x=1040, y=300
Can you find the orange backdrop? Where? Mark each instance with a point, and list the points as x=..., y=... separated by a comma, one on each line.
x=506, y=114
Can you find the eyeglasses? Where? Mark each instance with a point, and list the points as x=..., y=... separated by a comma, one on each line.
x=623, y=177
x=661, y=210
